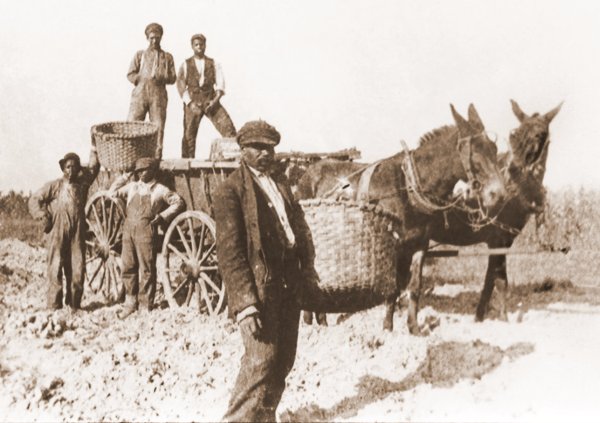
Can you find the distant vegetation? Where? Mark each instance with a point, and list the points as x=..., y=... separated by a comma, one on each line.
x=571, y=220
x=15, y=220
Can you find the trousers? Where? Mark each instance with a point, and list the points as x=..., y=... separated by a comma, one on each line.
x=66, y=255
x=266, y=362
x=150, y=98
x=191, y=122
x=139, y=254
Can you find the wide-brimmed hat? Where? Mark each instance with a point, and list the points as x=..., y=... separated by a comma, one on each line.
x=145, y=163
x=258, y=132
x=69, y=156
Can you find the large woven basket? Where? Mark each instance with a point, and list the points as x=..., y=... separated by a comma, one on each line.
x=120, y=144
x=354, y=256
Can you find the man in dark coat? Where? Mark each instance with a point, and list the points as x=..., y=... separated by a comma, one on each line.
x=265, y=255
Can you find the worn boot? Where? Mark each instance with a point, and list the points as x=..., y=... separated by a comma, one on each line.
x=129, y=307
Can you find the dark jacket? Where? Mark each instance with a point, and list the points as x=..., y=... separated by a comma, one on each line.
x=250, y=242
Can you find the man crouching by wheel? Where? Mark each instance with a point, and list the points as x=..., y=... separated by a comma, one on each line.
x=265, y=255
x=149, y=205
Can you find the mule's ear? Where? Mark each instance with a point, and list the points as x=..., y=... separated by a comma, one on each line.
x=461, y=123
x=520, y=114
x=552, y=113
x=474, y=118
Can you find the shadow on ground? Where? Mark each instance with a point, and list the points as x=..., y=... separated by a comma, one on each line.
x=445, y=365
x=535, y=295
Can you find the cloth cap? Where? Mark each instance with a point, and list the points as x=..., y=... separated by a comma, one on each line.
x=257, y=132
x=153, y=27
x=145, y=163
x=198, y=37
x=69, y=156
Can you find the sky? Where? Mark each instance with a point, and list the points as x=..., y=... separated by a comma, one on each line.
x=329, y=74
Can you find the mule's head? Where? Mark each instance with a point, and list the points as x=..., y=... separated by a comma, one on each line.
x=529, y=142
x=484, y=182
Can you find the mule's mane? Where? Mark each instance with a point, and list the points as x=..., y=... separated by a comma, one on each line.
x=436, y=135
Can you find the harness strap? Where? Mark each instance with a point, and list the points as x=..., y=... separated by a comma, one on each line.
x=413, y=186
x=362, y=190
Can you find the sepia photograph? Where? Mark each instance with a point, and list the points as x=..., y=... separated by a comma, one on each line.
x=299, y=211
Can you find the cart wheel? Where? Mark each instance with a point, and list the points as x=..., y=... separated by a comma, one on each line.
x=191, y=263
x=104, y=215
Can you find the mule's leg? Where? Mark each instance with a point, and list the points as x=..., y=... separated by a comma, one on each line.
x=414, y=291
x=321, y=319
x=501, y=283
x=402, y=273
x=390, y=306
x=307, y=317
x=494, y=276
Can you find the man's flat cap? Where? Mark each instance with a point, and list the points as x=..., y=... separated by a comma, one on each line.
x=69, y=156
x=198, y=37
x=153, y=27
x=145, y=163
x=257, y=132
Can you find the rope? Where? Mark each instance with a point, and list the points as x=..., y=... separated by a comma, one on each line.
x=413, y=186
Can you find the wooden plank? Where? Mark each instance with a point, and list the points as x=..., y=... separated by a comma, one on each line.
x=490, y=252
x=187, y=164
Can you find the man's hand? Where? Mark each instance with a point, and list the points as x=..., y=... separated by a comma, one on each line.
x=251, y=325
x=157, y=221
x=195, y=107
x=210, y=107
x=46, y=221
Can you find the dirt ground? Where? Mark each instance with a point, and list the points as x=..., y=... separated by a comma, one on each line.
x=543, y=365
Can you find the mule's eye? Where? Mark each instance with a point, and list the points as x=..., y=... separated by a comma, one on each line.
x=476, y=185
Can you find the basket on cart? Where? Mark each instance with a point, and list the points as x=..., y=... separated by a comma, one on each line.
x=120, y=144
x=354, y=256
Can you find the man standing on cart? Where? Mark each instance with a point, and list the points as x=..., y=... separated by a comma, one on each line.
x=149, y=205
x=265, y=255
x=60, y=205
x=149, y=71
x=201, y=84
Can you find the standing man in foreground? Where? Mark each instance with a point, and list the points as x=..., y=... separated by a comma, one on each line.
x=150, y=70
x=201, y=85
x=149, y=205
x=60, y=205
x=265, y=254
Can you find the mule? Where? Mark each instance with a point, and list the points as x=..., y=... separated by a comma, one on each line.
x=444, y=157
x=523, y=169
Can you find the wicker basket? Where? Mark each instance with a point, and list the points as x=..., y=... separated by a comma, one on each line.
x=354, y=256
x=120, y=144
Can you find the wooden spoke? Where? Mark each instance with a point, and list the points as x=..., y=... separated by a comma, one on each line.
x=184, y=241
x=110, y=216
x=207, y=299
x=92, y=259
x=208, y=253
x=185, y=281
x=202, y=232
x=105, y=220
x=192, y=236
x=209, y=268
x=210, y=282
x=190, y=292
x=177, y=252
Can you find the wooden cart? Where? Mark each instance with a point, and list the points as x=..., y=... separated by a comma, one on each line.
x=187, y=266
